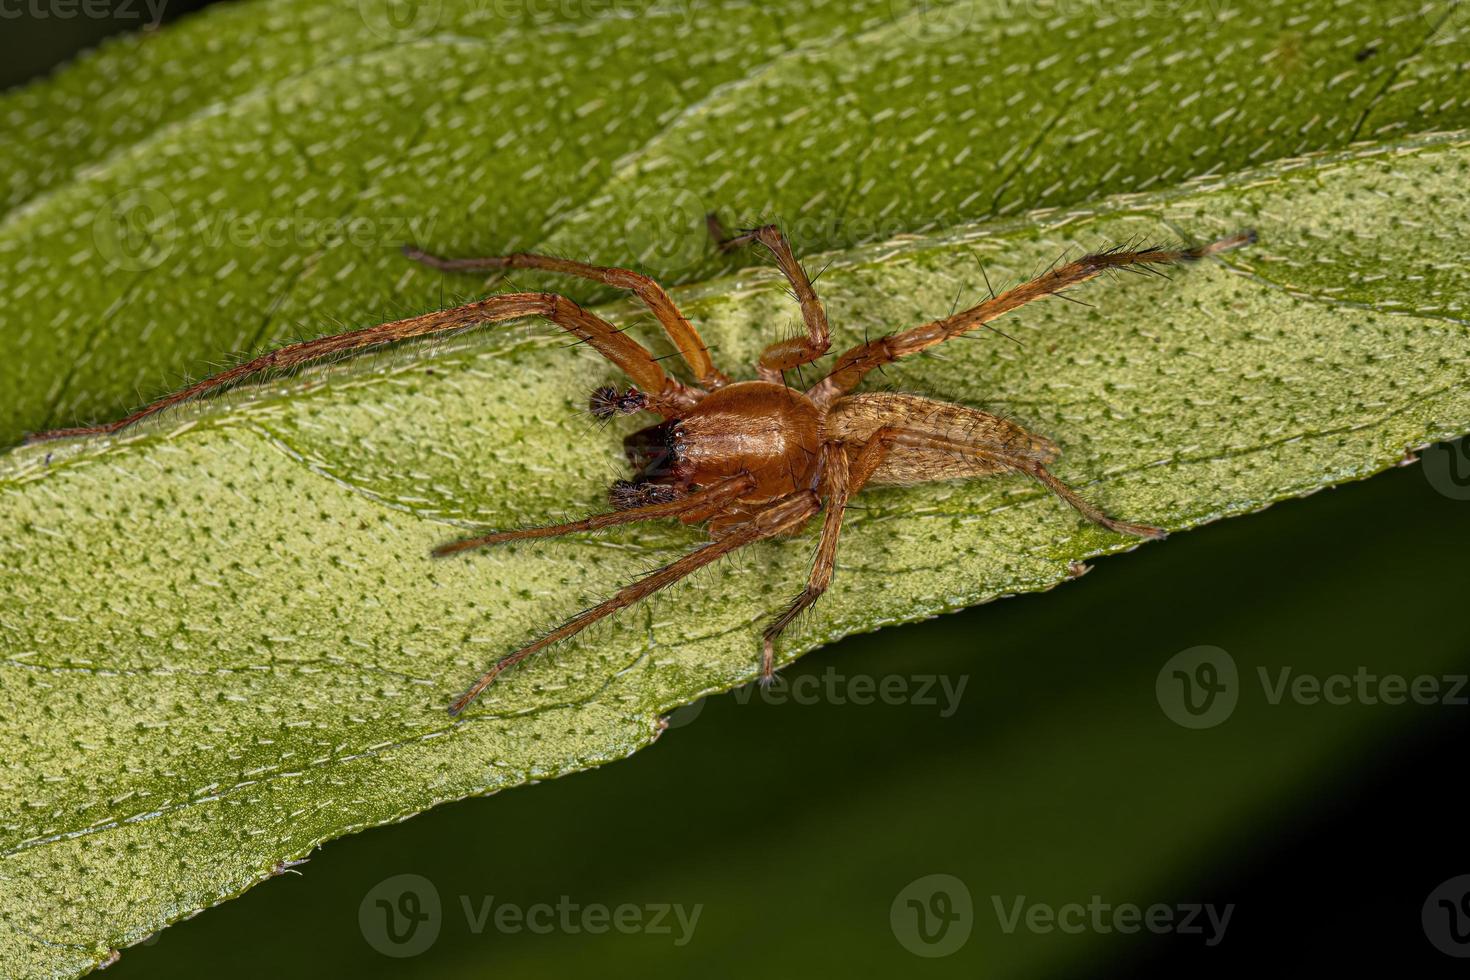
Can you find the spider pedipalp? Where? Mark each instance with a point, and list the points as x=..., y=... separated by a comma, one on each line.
x=606, y=401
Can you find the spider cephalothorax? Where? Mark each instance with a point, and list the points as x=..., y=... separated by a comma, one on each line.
x=750, y=460
x=759, y=428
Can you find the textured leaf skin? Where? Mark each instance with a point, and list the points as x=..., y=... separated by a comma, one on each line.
x=224, y=642
x=270, y=200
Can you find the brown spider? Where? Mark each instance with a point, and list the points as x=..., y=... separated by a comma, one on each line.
x=750, y=459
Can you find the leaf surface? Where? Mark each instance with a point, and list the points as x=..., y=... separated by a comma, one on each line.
x=223, y=640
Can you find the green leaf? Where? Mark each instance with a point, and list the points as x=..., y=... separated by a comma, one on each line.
x=137, y=84
x=224, y=641
x=276, y=207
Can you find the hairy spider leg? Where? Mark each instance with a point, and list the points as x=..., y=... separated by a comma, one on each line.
x=685, y=337
x=793, y=352
x=855, y=363
x=778, y=518
x=665, y=394
x=713, y=496
x=836, y=476
x=847, y=475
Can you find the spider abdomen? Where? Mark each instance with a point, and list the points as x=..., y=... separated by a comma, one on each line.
x=857, y=418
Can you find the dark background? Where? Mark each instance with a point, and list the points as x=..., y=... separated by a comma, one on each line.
x=795, y=825
x=37, y=37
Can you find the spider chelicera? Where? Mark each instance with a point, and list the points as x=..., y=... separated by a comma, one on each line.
x=750, y=460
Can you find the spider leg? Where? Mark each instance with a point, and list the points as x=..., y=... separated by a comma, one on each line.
x=839, y=491
x=853, y=364
x=712, y=496
x=993, y=457
x=666, y=395
x=783, y=355
x=781, y=516
x=685, y=337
